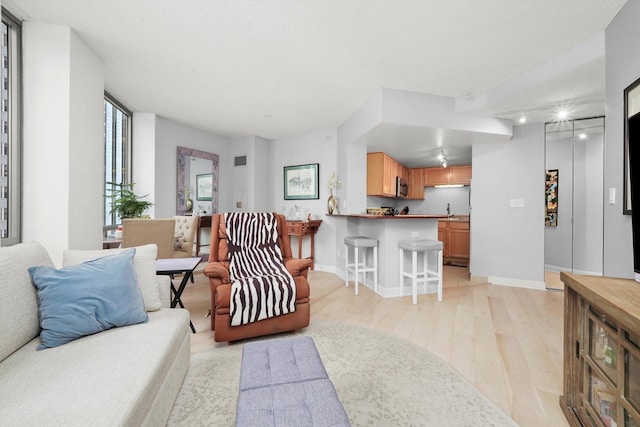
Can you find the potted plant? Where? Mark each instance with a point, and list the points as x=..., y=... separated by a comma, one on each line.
x=125, y=202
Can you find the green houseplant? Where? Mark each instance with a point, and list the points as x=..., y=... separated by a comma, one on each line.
x=125, y=202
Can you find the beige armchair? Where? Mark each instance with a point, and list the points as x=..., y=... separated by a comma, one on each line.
x=185, y=233
x=138, y=232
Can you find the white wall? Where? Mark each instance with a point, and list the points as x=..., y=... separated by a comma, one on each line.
x=588, y=201
x=63, y=140
x=252, y=182
x=168, y=136
x=143, y=158
x=622, y=68
x=313, y=147
x=262, y=192
x=507, y=243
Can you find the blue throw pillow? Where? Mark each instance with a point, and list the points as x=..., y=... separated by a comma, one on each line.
x=87, y=298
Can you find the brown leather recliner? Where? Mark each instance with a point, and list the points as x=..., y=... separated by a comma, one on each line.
x=218, y=272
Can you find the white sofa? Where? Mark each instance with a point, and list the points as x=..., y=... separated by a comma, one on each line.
x=126, y=376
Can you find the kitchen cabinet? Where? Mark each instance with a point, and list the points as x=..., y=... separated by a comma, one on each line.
x=434, y=176
x=447, y=176
x=455, y=237
x=416, y=184
x=601, y=380
x=382, y=171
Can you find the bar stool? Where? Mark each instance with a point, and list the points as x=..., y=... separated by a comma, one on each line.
x=360, y=242
x=425, y=276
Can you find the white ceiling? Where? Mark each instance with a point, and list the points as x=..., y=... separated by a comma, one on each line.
x=280, y=68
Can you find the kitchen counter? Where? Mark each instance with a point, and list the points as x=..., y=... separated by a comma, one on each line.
x=438, y=217
x=388, y=230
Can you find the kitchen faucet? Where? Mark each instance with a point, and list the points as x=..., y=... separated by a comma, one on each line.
x=448, y=211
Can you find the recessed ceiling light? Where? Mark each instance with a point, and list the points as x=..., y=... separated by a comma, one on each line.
x=582, y=136
x=522, y=119
x=562, y=114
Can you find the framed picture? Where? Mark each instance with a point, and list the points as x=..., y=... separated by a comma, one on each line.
x=301, y=182
x=631, y=114
x=204, y=187
x=551, y=198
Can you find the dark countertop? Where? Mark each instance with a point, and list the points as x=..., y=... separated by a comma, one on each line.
x=438, y=217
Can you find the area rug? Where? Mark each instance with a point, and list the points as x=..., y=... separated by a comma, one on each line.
x=382, y=380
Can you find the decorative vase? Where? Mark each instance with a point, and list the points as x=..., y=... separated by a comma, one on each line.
x=332, y=204
x=189, y=205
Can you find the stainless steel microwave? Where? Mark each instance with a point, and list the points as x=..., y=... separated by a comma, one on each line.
x=402, y=188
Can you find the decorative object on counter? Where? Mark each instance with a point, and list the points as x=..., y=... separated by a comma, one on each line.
x=301, y=182
x=188, y=202
x=332, y=202
x=378, y=211
x=551, y=198
x=404, y=211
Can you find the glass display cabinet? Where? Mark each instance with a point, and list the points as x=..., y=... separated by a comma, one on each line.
x=601, y=351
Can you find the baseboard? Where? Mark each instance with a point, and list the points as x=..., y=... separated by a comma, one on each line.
x=517, y=283
x=557, y=269
x=478, y=279
x=326, y=268
x=588, y=273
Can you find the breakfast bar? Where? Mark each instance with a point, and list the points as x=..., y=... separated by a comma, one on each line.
x=389, y=230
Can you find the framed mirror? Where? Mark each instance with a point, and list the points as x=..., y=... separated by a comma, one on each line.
x=191, y=164
x=631, y=110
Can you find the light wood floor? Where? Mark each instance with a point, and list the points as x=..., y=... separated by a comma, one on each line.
x=506, y=341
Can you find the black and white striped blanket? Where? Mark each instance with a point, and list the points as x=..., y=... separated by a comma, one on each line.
x=261, y=286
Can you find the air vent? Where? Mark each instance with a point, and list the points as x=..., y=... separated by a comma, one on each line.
x=240, y=161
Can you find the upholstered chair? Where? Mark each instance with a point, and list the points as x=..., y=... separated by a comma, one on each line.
x=185, y=233
x=218, y=272
x=138, y=232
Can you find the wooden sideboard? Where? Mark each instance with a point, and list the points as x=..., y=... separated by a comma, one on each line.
x=601, y=351
x=304, y=228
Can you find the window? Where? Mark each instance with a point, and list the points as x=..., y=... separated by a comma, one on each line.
x=11, y=142
x=117, y=153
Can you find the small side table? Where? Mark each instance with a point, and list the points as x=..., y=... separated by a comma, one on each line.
x=172, y=266
x=111, y=242
x=203, y=222
x=304, y=228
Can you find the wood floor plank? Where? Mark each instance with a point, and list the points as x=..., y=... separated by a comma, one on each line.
x=505, y=340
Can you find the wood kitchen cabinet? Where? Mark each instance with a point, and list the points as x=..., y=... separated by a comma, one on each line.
x=382, y=171
x=447, y=176
x=416, y=184
x=601, y=381
x=455, y=237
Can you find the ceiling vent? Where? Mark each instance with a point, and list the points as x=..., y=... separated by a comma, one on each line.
x=240, y=161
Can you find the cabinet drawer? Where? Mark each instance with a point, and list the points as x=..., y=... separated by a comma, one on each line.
x=458, y=225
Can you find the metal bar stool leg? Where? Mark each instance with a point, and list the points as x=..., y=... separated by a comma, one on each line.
x=356, y=260
x=346, y=266
x=414, y=273
x=375, y=269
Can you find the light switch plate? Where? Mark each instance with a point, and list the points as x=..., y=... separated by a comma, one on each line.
x=612, y=196
x=516, y=203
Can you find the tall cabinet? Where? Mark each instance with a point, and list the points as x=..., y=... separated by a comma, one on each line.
x=601, y=351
